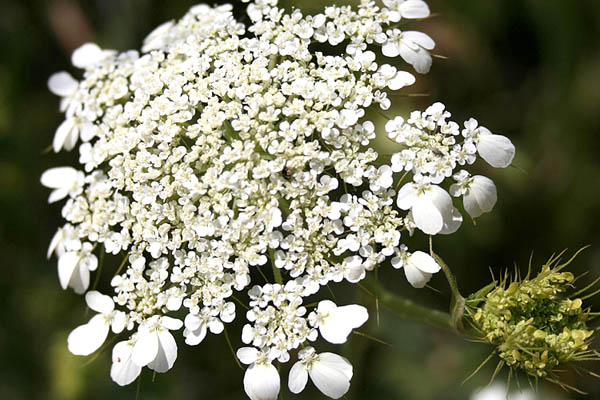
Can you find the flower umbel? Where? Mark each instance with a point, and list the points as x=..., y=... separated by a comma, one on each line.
x=224, y=150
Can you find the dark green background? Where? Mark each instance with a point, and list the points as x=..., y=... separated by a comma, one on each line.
x=527, y=69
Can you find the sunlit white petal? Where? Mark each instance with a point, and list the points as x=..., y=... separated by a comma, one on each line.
x=261, y=382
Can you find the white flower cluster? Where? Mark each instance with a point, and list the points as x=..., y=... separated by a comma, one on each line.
x=220, y=149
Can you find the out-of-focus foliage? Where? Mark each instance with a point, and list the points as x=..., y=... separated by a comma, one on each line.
x=527, y=69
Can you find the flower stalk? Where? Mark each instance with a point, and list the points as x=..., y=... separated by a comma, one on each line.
x=408, y=309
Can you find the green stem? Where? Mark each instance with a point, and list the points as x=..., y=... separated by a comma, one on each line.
x=457, y=301
x=408, y=309
x=277, y=275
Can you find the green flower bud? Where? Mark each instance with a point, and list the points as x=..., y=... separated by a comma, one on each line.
x=537, y=324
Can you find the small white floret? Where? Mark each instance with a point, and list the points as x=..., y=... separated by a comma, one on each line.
x=87, y=338
x=431, y=206
x=155, y=346
x=64, y=180
x=418, y=267
x=330, y=373
x=336, y=323
x=261, y=380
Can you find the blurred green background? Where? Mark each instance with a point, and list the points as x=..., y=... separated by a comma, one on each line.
x=527, y=69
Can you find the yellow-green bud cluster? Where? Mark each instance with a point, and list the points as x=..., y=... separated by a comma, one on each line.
x=535, y=324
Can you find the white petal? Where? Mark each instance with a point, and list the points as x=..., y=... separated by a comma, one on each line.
x=406, y=196
x=99, y=302
x=427, y=217
x=167, y=352
x=56, y=239
x=418, y=38
x=145, y=348
x=424, y=262
x=355, y=273
x=66, y=265
x=414, y=9
x=59, y=177
x=123, y=370
x=80, y=280
x=62, y=133
x=90, y=262
x=194, y=337
x=496, y=150
x=338, y=362
x=247, y=355
x=481, y=196
x=415, y=276
x=261, y=382
x=401, y=80
x=62, y=84
x=330, y=377
x=87, y=55
x=86, y=339
x=247, y=334
x=192, y=322
x=418, y=58
x=169, y=323
x=298, y=378
x=174, y=303
x=390, y=49
x=325, y=306
x=353, y=314
x=431, y=209
x=119, y=322
x=440, y=198
x=216, y=326
x=452, y=222
x=71, y=138
x=57, y=194
x=340, y=322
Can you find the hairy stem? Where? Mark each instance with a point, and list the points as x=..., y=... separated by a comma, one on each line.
x=408, y=309
x=457, y=301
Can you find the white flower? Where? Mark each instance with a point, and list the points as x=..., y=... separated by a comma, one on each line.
x=88, y=55
x=479, y=193
x=196, y=327
x=335, y=323
x=123, y=370
x=348, y=118
x=69, y=131
x=410, y=9
x=64, y=180
x=431, y=207
x=155, y=347
x=87, y=338
x=74, y=268
x=329, y=372
x=412, y=46
x=418, y=266
x=394, y=79
x=261, y=380
x=382, y=179
x=354, y=270
x=496, y=150
x=64, y=238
